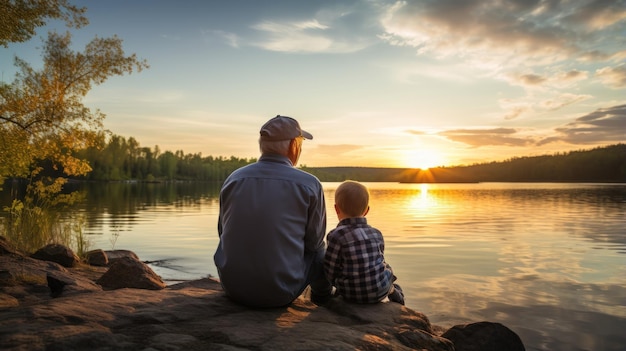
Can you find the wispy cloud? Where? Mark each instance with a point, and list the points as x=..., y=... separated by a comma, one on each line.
x=339, y=28
x=562, y=100
x=551, y=80
x=415, y=132
x=547, y=101
x=614, y=77
x=231, y=39
x=295, y=37
x=484, y=137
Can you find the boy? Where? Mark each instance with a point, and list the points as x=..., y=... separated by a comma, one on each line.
x=354, y=261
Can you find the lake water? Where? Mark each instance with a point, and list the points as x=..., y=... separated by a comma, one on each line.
x=547, y=260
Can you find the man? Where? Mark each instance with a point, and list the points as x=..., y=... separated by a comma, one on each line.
x=272, y=223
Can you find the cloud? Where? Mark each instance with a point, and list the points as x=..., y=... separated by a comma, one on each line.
x=415, y=132
x=303, y=37
x=531, y=79
x=231, y=39
x=336, y=27
x=572, y=76
x=515, y=108
x=604, y=125
x=516, y=111
x=549, y=80
x=484, y=137
x=613, y=76
x=507, y=33
x=293, y=38
x=597, y=15
x=562, y=100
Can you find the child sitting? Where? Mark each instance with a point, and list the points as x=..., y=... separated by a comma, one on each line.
x=354, y=261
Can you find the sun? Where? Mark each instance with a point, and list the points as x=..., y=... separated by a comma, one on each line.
x=423, y=159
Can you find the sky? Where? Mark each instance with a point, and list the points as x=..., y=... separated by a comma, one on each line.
x=378, y=83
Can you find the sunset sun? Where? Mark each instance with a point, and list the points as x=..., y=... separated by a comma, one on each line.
x=423, y=159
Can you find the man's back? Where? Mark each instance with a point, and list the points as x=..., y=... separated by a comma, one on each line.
x=272, y=215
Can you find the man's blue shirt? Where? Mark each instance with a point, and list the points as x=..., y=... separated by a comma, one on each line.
x=272, y=220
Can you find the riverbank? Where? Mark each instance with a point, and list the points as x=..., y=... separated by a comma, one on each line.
x=196, y=315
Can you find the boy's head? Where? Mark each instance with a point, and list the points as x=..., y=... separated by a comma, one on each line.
x=352, y=199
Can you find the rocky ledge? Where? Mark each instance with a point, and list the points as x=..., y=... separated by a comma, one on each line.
x=52, y=301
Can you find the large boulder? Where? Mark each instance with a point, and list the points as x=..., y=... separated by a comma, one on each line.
x=97, y=258
x=127, y=272
x=483, y=336
x=58, y=253
x=114, y=255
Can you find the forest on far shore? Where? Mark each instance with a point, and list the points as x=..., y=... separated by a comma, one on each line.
x=603, y=164
x=120, y=159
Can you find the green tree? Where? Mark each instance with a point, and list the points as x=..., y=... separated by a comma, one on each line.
x=168, y=162
x=42, y=116
x=43, y=123
x=20, y=18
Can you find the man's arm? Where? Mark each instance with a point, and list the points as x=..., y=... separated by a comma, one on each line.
x=316, y=224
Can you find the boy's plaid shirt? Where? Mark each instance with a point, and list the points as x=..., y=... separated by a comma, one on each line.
x=355, y=263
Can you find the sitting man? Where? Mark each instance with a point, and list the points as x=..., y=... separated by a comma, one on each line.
x=271, y=225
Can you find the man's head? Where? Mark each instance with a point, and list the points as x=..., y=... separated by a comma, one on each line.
x=283, y=128
x=352, y=199
x=282, y=135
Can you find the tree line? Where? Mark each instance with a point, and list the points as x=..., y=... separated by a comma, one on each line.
x=117, y=158
x=602, y=164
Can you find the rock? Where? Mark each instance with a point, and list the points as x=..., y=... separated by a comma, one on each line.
x=196, y=315
x=114, y=255
x=483, y=336
x=27, y=279
x=58, y=253
x=127, y=272
x=56, y=285
x=97, y=258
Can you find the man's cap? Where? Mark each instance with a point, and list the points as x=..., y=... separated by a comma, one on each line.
x=283, y=128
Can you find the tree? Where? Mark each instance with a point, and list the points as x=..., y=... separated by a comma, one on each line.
x=42, y=116
x=20, y=18
x=43, y=124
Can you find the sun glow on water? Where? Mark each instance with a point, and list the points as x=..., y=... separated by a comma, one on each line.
x=422, y=201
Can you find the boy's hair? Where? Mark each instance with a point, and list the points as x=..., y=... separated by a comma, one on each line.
x=352, y=198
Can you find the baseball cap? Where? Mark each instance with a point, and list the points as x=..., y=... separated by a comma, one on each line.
x=283, y=128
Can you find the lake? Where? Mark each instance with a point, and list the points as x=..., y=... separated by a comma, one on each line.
x=548, y=260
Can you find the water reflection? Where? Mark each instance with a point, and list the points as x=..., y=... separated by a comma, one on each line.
x=514, y=254
x=116, y=207
x=546, y=260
